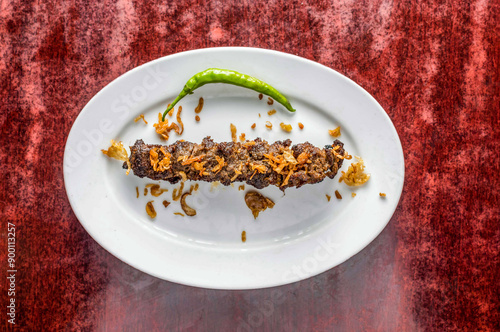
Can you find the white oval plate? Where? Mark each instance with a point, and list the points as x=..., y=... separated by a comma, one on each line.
x=303, y=235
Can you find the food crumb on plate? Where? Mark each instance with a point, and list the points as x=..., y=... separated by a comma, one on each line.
x=286, y=127
x=382, y=195
x=233, y=133
x=155, y=189
x=199, y=107
x=271, y=112
x=338, y=195
x=355, y=175
x=257, y=203
x=141, y=117
x=328, y=197
x=163, y=128
x=150, y=210
x=179, y=121
x=244, y=236
x=301, y=126
x=189, y=211
x=353, y=194
x=335, y=132
x=177, y=193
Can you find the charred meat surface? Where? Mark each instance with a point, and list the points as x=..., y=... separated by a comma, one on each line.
x=256, y=162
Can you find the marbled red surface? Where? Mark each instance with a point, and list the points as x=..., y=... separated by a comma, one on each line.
x=433, y=66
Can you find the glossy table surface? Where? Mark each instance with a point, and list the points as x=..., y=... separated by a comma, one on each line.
x=434, y=68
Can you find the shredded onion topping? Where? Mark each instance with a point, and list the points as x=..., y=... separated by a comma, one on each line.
x=280, y=162
x=338, y=195
x=183, y=176
x=159, y=165
x=179, y=121
x=186, y=208
x=200, y=106
x=286, y=127
x=141, y=117
x=155, y=189
x=163, y=128
x=177, y=193
x=221, y=164
x=258, y=168
x=335, y=132
x=355, y=175
x=150, y=209
x=118, y=152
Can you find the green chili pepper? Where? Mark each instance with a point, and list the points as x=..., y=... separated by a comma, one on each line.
x=214, y=75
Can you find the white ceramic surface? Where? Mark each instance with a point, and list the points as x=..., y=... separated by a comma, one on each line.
x=302, y=236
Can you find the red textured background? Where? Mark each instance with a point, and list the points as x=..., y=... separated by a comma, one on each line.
x=434, y=67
